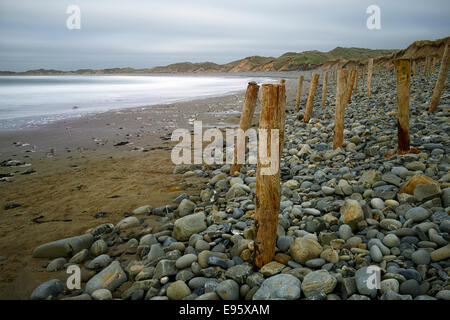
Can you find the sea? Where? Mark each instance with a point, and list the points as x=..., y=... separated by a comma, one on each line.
x=27, y=101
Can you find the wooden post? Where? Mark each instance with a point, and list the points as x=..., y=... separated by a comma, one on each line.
x=440, y=83
x=299, y=92
x=324, y=88
x=429, y=66
x=414, y=71
x=268, y=191
x=363, y=74
x=246, y=120
x=425, y=66
x=355, y=87
x=310, y=101
x=402, y=68
x=282, y=106
x=350, y=86
x=341, y=87
x=369, y=76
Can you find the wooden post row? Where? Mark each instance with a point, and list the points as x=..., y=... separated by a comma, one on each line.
x=440, y=83
x=248, y=109
x=268, y=190
x=341, y=87
x=310, y=101
x=403, y=72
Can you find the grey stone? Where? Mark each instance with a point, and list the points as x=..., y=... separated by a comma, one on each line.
x=56, y=264
x=425, y=192
x=375, y=254
x=186, y=207
x=188, y=225
x=443, y=295
x=315, y=263
x=99, y=247
x=320, y=280
x=239, y=273
x=102, y=294
x=99, y=262
x=389, y=284
x=410, y=287
x=51, y=288
x=155, y=252
x=228, y=290
x=148, y=240
x=362, y=279
x=377, y=203
x=391, y=240
x=109, y=278
x=345, y=232
x=391, y=295
x=417, y=214
x=164, y=268
x=279, y=287
x=185, y=261
x=178, y=290
x=127, y=223
x=80, y=257
x=421, y=257
x=64, y=247
x=284, y=242
x=147, y=209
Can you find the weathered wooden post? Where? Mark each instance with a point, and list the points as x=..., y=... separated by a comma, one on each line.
x=310, y=101
x=369, y=76
x=324, y=88
x=425, y=66
x=363, y=75
x=267, y=196
x=299, y=92
x=350, y=83
x=432, y=65
x=282, y=106
x=355, y=87
x=341, y=87
x=440, y=83
x=403, y=71
x=248, y=109
x=414, y=71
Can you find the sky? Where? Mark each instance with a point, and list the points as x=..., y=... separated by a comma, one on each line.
x=144, y=34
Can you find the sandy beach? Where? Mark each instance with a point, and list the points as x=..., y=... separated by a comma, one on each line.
x=81, y=167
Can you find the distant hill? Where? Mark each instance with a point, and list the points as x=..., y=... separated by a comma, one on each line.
x=290, y=61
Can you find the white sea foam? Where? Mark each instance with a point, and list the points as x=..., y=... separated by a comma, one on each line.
x=34, y=100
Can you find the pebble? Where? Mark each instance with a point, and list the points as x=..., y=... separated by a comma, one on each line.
x=50, y=288
x=391, y=240
x=56, y=264
x=417, y=214
x=178, y=290
x=228, y=290
x=101, y=294
x=421, y=257
x=345, y=232
x=279, y=287
x=320, y=280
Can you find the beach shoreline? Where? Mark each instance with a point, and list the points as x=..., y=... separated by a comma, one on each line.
x=110, y=162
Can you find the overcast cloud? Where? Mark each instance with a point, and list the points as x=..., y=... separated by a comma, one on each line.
x=141, y=34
